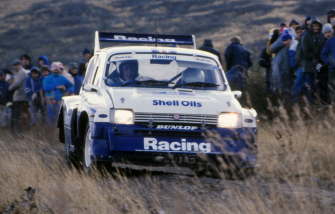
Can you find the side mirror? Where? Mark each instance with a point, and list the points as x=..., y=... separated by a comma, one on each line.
x=237, y=94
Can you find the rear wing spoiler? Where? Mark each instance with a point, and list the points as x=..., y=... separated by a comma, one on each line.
x=143, y=39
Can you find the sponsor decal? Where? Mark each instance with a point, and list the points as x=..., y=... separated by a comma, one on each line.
x=174, y=93
x=144, y=39
x=185, y=103
x=122, y=57
x=167, y=57
x=177, y=127
x=152, y=144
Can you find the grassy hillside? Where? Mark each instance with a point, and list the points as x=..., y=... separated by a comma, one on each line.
x=61, y=29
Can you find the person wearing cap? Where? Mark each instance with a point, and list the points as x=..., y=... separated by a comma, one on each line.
x=4, y=100
x=328, y=54
x=35, y=95
x=87, y=55
x=312, y=43
x=78, y=78
x=20, y=99
x=43, y=61
x=55, y=86
x=209, y=47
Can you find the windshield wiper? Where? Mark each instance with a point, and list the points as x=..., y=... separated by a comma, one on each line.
x=146, y=82
x=197, y=84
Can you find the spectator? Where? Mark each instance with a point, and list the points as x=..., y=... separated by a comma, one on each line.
x=87, y=54
x=45, y=71
x=265, y=57
x=331, y=17
x=281, y=78
x=323, y=72
x=55, y=87
x=34, y=94
x=64, y=72
x=307, y=22
x=78, y=79
x=26, y=62
x=43, y=61
x=8, y=74
x=4, y=100
x=298, y=85
x=282, y=27
x=328, y=54
x=311, y=46
x=208, y=46
x=20, y=101
x=273, y=37
x=292, y=26
x=237, y=54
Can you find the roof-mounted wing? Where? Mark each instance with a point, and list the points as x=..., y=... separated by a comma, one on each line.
x=143, y=38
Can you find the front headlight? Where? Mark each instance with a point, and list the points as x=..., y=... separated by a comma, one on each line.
x=230, y=120
x=121, y=116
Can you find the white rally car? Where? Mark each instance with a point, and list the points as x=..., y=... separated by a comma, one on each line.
x=156, y=105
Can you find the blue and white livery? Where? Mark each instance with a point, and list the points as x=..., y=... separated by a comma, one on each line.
x=151, y=105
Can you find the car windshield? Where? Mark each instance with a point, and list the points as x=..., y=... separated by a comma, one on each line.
x=164, y=71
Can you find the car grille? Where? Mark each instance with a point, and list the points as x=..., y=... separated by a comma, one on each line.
x=202, y=119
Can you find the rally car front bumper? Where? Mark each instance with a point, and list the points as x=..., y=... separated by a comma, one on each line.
x=143, y=145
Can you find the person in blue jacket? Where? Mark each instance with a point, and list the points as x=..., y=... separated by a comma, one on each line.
x=55, y=86
x=237, y=54
x=33, y=90
x=78, y=78
x=43, y=61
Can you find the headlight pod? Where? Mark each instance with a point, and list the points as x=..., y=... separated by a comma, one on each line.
x=122, y=116
x=229, y=120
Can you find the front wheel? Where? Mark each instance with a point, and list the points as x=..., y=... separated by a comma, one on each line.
x=87, y=159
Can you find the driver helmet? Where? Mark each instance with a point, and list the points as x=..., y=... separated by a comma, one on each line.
x=128, y=70
x=193, y=75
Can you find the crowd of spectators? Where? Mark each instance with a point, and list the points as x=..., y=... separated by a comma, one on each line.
x=299, y=60
x=31, y=92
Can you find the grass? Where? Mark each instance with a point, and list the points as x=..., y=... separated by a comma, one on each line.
x=295, y=175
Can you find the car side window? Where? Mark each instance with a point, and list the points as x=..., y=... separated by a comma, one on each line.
x=89, y=71
x=96, y=71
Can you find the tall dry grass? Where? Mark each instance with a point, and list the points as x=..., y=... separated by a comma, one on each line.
x=295, y=175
